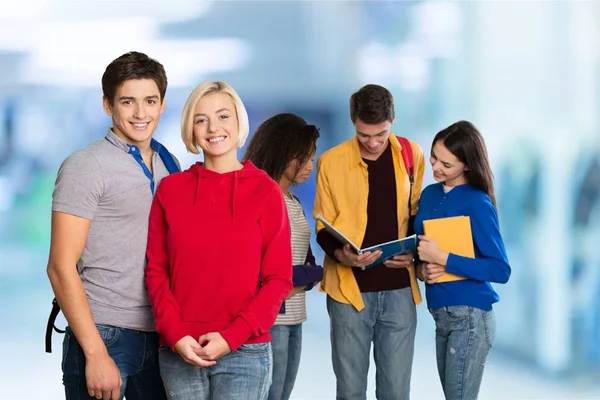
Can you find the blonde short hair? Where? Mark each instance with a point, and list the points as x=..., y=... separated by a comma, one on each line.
x=187, y=116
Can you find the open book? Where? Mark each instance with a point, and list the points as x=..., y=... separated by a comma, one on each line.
x=407, y=245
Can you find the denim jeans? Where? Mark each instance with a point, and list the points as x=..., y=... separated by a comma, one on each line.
x=241, y=375
x=463, y=337
x=389, y=320
x=287, y=346
x=136, y=356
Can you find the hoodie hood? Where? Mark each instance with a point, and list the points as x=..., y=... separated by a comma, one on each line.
x=212, y=187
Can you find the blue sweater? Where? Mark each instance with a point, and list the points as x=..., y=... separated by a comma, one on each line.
x=490, y=263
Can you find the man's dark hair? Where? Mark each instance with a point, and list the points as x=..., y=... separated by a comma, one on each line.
x=133, y=65
x=372, y=104
x=280, y=140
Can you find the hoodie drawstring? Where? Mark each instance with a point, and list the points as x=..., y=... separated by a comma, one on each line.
x=213, y=187
x=234, y=187
x=235, y=181
x=197, y=194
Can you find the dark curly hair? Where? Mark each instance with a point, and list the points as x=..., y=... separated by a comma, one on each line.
x=280, y=140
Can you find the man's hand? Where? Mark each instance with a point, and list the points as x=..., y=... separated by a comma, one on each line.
x=401, y=261
x=295, y=291
x=103, y=377
x=430, y=252
x=431, y=272
x=213, y=346
x=187, y=347
x=347, y=256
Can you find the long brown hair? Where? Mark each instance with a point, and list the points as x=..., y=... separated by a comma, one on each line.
x=465, y=141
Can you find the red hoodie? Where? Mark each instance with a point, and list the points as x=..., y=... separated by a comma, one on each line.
x=213, y=238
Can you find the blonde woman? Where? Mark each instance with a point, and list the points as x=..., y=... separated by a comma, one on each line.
x=218, y=253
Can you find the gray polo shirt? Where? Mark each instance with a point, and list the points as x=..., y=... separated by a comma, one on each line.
x=107, y=185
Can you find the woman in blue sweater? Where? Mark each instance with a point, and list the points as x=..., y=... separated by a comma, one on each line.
x=462, y=309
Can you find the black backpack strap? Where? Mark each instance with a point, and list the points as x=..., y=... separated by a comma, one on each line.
x=51, y=325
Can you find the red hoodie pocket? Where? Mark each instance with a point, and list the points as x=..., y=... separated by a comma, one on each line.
x=220, y=286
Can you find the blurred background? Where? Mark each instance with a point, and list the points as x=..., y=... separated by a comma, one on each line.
x=526, y=73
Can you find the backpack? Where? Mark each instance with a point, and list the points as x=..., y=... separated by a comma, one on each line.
x=172, y=167
x=407, y=156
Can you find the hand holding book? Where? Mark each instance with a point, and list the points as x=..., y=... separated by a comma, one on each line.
x=348, y=256
x=430, y=273
x=430, y=252
x=399, y=261
x=396, y=251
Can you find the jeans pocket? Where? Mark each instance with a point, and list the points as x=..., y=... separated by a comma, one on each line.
x=489, y=324
x=163, y=347
x=458, y=312
x=108, y=334
x=254, y=349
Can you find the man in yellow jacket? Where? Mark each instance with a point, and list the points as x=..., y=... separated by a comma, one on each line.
x=363, y=190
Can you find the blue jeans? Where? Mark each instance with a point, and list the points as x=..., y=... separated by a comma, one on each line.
x=287, y=346
x=389, y=320
x=136, y=356
x=241, y=375
x=463, y=337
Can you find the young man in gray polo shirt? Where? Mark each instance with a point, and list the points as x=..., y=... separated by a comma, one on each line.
x=100, y=210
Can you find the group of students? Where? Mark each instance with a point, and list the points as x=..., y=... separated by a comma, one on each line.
x=191, y=284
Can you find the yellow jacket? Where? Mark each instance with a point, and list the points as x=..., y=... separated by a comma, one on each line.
x=341, y=198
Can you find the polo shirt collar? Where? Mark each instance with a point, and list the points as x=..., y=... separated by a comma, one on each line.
x=126, y=147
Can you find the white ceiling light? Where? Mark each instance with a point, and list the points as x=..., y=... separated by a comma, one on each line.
x=82, y=62
x=23, y=10
x=76, y=53
x=406, y=65
x=411, y=67
x=373, y=63
x=158, y=10
x=71, y=43
x=437, y=27
x=69, y=10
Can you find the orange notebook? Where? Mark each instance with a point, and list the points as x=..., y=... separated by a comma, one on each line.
x=452, y=234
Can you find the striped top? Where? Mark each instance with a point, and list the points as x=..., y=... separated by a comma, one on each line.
x=295, y=307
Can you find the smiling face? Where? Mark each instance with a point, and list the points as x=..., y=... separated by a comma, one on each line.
x=216, y=124
x=373, y=138
x=447, y=168
x=136, y=110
